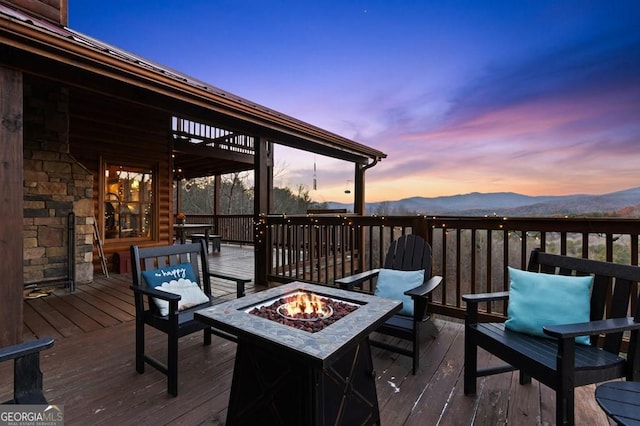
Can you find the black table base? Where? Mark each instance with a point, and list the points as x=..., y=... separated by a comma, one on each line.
x=272, y=387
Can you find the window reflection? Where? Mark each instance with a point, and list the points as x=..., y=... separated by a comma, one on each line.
x=128, y=202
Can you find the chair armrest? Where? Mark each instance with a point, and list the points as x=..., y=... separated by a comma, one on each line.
x=426, y=288
x=27, y=377
x=347, y=283
x=485, y=297
x=612, y=325
x=26, y=348
x=240, y=282
x=472, y=301
x=162, y=295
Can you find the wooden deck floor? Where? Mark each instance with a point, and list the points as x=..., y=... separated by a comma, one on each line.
x=90, y=369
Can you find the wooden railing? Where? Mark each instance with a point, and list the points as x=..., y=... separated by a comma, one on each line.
x=203, y=134
x=471, y=253
x=235, y=228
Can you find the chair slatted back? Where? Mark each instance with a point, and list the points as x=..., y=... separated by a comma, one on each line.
x=150, y=258
x=409, y=253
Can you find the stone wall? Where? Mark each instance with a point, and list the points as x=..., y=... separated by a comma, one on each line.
x=55, y=184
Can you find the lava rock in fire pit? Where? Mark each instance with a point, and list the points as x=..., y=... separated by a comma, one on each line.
x=307, y=322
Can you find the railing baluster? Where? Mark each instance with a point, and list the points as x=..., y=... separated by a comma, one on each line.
x=505, y=264
x=474, y=258
x=523, y=250
x=609, y=245
x=488, y=262
x=458, y=281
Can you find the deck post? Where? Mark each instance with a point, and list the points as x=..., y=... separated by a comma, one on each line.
x=11, y=205
x=262, y=205
x=217, y=196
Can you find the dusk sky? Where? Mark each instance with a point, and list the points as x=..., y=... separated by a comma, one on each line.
x=536, y=97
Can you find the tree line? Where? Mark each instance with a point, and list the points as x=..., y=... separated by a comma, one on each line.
x=237, y=196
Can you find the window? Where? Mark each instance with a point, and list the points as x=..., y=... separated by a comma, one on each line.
x=128, y=202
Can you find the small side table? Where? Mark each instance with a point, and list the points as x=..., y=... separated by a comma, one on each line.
x=621, y=401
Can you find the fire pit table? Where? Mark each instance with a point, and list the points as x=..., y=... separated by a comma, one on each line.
x=286, y=375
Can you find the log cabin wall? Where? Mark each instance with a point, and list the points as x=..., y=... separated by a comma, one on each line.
x=108, y=130
x=55, y=184
x=52, y=10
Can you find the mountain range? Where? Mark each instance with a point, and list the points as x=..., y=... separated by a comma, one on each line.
x=622, y=203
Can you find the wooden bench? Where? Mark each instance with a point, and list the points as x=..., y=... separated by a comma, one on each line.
x=213, y=238
x=27, y=377
x=560, y=363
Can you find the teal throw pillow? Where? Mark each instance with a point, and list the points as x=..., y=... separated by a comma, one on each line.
x=177, y=279
x=537, y=299
x=393, y=283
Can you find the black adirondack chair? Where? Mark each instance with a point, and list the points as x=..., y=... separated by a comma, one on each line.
x=407, y=253
x=561, y=364
x=27, y=377
x=177, y=323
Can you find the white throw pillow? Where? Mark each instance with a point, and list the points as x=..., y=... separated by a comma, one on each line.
x=191, y=294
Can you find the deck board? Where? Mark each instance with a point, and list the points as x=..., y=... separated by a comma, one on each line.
x=75, y=312
x=55, y=318
x=36, y=325
x=443, y=368
x=90, y=369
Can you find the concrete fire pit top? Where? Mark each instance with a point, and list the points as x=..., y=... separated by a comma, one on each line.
x=322, y=347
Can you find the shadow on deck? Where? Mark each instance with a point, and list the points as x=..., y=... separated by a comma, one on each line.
x=90, y=369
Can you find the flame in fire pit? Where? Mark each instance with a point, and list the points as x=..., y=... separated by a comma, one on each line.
x=305, y=306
